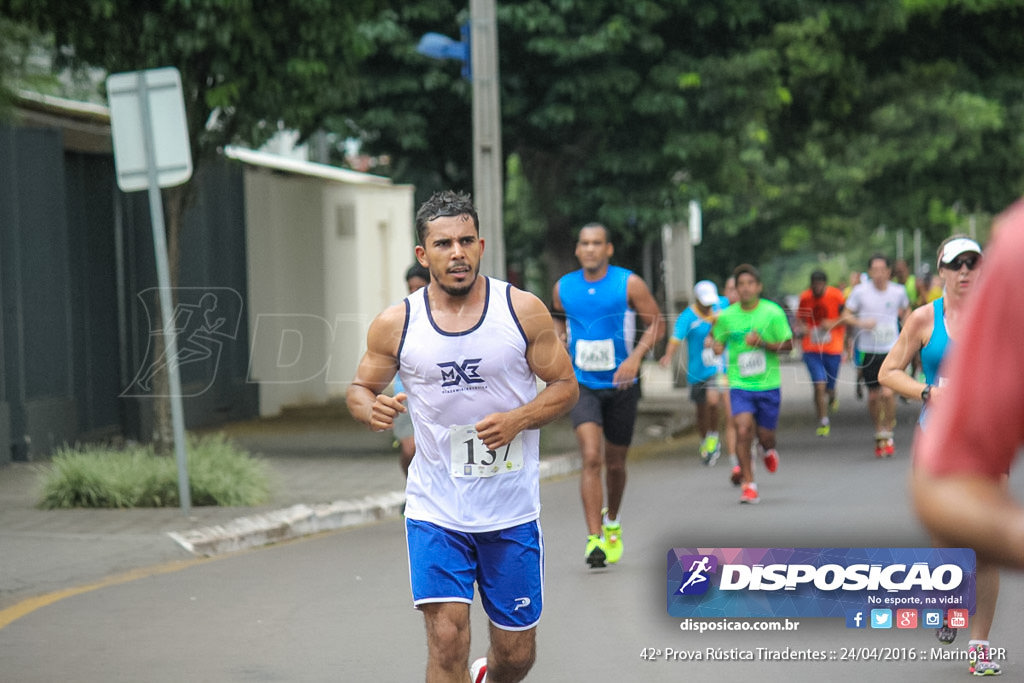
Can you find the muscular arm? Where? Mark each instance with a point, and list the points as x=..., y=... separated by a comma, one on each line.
x=912, y=338
x=970, y=511
x=642, y=301
x=558, y=316
x=548, y=359
x=375, y=371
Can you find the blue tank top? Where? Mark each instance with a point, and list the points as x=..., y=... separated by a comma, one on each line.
x=600, y=323
x=935, y=350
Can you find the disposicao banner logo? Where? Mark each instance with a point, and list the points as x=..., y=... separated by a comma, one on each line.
x=816, y=582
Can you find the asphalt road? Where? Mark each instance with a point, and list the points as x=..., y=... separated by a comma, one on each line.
x=336, y=607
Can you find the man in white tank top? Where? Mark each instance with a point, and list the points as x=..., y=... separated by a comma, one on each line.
x=469, y=350
x=873, y=313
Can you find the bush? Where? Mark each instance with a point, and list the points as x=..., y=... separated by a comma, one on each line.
x=220, y=473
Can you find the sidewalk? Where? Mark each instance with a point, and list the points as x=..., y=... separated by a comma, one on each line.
x=327, y=472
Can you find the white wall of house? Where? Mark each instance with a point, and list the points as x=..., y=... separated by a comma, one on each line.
x=327, y=250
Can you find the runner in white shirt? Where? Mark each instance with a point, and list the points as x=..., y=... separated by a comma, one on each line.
x=469, y=350
x=875, y=310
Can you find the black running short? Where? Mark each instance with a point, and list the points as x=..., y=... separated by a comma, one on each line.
x=613, y=409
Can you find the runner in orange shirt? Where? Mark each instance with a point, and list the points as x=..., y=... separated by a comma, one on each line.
x=823, y=339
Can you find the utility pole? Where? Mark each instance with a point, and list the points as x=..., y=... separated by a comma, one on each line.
x=488, y=179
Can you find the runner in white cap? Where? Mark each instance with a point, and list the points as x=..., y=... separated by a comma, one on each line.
x=703, y=366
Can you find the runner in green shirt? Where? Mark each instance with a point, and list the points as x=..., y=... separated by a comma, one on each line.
x=753, y=331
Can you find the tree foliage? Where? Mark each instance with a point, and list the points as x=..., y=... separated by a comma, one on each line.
x=410, y=108
x=247, y=66
x=798, y=125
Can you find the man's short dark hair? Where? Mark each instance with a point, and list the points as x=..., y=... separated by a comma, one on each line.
x=879, y=255
x=446, y=203
x=416, y=270
x=748, y=269
x=595, y=224
x=819, y=276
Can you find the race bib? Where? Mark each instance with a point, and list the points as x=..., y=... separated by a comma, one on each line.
x=469, y=456
x=595, y=355
x=752, y=363
x=885, y=333
x=709, y=358
x=820, y=335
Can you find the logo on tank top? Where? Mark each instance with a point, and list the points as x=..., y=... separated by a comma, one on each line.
x=454, y=374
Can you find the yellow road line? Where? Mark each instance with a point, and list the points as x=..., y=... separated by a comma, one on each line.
x=11, y=614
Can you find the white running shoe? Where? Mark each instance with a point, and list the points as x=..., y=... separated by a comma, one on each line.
x=478, y=671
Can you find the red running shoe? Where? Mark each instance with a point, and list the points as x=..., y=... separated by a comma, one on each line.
x=749, y=495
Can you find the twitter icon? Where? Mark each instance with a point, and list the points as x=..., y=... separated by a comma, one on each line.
x=881, y=618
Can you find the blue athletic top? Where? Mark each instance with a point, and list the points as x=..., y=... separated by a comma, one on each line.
x=935, y=350
x=701, y=364
x=601, y=325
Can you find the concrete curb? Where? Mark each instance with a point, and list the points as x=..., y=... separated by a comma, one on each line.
x=302, y=520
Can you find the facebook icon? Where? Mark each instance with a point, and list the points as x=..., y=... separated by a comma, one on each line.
x=855, y=618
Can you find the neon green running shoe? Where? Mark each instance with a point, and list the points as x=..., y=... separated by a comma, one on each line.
x=612, y=538
x=595, y=553
x=824, y=430
x=710, y=449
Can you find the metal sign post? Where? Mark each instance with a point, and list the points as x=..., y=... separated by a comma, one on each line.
x=151, y=150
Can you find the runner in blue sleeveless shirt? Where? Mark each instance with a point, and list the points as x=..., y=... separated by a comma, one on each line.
x=597, y=309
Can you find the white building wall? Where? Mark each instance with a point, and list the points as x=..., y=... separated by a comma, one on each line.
x=366, y=266
x=325, y=255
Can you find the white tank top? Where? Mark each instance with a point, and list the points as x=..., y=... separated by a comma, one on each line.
x=454, y=379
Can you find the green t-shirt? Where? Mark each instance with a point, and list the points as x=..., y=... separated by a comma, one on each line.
x=752, y=368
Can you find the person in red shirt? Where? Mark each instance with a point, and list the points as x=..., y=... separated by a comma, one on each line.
x=823, y=338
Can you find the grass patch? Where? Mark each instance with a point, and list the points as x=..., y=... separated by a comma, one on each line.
x=219, y=471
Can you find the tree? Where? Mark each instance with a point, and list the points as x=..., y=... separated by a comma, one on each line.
x=411, y=109
x=798, y=125
x=18, y=68
x=248, y=68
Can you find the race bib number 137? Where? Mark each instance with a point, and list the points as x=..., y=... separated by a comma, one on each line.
x=471, y=458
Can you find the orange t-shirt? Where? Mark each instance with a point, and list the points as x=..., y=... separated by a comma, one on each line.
x=814, y=312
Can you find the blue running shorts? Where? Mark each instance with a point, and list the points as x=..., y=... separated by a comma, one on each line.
x=507, y=565
x=823, y=367
x=763, y=404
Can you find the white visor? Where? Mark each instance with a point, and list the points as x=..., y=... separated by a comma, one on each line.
x=961, y=245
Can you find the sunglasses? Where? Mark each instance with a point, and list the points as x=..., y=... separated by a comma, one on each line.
x=960, y=261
